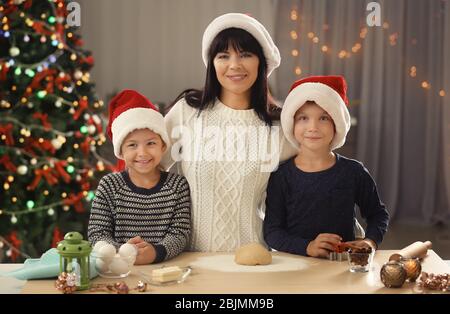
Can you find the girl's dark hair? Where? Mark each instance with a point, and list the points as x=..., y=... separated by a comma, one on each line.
x=240, y=40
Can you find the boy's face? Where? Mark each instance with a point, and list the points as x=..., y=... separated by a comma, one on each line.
x=313, y=127
x=142, y=151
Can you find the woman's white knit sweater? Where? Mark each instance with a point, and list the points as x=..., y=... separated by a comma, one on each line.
x=227, y=156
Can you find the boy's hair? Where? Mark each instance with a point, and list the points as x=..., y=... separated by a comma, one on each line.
x=329, y=93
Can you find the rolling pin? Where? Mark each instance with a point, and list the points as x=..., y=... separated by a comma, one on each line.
x=416, y=250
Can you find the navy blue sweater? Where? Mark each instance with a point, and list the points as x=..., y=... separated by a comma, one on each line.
x=301, y=205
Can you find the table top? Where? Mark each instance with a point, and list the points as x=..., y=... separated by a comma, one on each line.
x=10, y=285
x=310, y=275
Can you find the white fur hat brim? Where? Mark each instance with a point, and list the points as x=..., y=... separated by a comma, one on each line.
x=134, y=119
x=324, y=96
x=249, y=24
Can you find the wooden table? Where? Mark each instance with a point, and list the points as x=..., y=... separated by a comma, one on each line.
x=320, y=276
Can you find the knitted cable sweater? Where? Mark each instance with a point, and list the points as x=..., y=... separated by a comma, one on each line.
x=227, y=156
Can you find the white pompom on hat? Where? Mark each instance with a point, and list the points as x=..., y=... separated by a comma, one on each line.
x=249, y=24
x=330, y=93
x=129, y=111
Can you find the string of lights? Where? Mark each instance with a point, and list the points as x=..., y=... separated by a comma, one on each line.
x=342, y=53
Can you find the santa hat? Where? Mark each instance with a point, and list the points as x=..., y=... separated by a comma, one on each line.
x=330, y=93
x=249, y=24
x=129, y=111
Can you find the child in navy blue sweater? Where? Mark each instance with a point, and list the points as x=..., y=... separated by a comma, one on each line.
x=311, y=198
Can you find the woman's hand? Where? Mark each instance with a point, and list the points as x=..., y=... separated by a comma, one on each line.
x=323, y=244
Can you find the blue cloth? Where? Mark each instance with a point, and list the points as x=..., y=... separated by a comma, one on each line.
x=301, y=205
x=45, y=267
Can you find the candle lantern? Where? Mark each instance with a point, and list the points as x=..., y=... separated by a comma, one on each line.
x=74, y=255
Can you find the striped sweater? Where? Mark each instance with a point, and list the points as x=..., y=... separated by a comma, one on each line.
x=160, y=215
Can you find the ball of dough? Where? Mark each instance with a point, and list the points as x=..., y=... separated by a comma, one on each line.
x=252, y=254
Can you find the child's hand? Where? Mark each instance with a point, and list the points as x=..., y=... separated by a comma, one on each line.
x=136, y=240
x=146, y=253
x=366, y=243
x=323, y=244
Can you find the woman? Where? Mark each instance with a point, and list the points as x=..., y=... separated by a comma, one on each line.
x=225, y=136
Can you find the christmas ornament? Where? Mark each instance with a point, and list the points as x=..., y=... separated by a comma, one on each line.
x=412, y=267
x=91, y=129
x=110, y=264
x=66, y=282
x=119, y=265
x=393, y=274
x=22, y=169
x=58, y=103
x=14, y=51
x=433, y=282
x=98, y=245
x=56, y=143
x=119, y=287
x=127, y=250
x=101, y=265
x=107, y=252
x=77, y=74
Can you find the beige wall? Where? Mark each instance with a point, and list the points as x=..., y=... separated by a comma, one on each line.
x=154, y=46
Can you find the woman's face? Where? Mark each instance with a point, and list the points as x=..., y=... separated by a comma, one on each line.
x=236, y=71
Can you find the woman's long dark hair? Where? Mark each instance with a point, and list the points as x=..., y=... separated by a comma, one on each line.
x=240, y=40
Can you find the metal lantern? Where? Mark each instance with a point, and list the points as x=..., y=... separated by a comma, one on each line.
x=74, y=258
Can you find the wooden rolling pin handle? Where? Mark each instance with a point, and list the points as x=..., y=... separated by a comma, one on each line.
x=416, y=250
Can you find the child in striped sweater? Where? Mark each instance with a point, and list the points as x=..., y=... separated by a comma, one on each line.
x=141, y=205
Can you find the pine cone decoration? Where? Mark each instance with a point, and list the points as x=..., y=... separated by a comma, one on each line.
x=66, y=283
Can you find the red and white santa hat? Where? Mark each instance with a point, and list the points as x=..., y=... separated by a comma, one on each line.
x=129, y=111
x=330, y=93
x=249, y=24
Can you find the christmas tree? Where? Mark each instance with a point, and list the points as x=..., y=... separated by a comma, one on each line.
x=50, y=128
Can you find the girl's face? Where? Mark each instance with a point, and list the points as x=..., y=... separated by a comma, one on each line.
x=313, y=127
x=142, y=151
x=236, y=71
